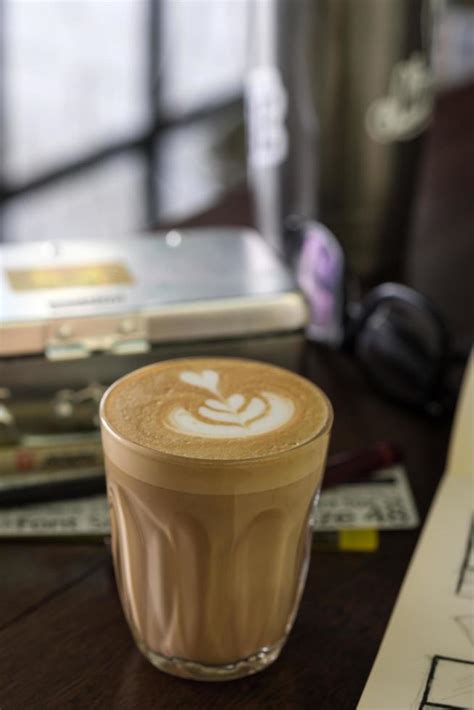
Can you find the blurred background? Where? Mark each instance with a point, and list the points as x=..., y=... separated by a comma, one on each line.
x=123, y=115
x=114, y=113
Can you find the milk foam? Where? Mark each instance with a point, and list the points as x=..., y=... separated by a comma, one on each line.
x=230, y=417
x=216, y=409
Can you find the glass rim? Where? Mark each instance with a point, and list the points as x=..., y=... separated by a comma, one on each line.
x=152, y=453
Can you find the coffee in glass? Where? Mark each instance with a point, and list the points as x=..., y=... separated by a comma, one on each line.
x=213, y=465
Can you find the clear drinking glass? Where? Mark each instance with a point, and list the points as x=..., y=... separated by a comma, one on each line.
x=211, y=556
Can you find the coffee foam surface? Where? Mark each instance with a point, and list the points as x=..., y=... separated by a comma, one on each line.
x=216, y=408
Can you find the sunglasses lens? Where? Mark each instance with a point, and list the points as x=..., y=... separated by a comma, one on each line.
x=402, y=348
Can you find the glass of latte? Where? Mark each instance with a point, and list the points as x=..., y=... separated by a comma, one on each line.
x=213, y=466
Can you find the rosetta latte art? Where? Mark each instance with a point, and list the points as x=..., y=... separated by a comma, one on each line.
x=232, y=417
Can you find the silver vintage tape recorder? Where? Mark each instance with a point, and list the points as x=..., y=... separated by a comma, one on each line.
x=77, y=315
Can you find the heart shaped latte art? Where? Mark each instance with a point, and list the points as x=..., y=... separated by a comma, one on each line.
x=207, y=379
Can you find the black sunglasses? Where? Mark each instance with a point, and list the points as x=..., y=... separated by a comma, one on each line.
x=402, y=343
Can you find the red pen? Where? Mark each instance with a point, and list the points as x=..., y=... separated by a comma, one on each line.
x=356, y=466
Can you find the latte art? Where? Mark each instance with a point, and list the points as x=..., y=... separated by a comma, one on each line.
x=232, y=417
x=216, y=409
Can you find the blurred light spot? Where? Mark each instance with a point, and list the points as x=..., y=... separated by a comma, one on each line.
x=173, y=238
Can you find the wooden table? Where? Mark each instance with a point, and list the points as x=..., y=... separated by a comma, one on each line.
x=64, y=642
x=63, y=638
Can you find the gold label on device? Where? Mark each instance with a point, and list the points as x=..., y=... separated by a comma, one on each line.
x=69, y=276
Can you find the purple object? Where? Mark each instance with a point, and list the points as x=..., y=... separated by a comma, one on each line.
x=320, y=274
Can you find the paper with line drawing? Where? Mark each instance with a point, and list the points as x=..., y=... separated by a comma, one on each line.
x=426, y=659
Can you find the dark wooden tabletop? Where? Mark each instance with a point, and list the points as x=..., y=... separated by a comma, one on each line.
x=64, y=642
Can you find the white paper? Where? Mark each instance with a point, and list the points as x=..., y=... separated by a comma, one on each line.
x=81, y=517
x=385, y=503
x=426, y=659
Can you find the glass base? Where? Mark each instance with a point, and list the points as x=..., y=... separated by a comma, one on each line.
x=199, y=671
